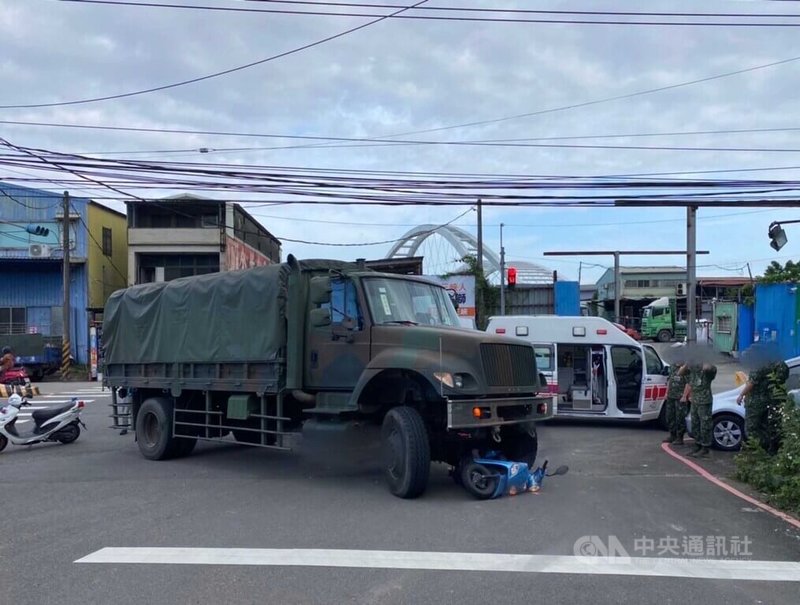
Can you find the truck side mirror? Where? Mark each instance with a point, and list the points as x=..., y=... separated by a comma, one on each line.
x=320, y=317
x=665, y=371
x=320, y=290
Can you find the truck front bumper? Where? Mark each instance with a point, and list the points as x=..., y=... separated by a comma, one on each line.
x=476, y=413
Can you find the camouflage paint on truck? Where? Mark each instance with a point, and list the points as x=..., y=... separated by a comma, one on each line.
x=317, y=346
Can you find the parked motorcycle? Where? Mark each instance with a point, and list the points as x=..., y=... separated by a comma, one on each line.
x=61, y=423
x=16, y=376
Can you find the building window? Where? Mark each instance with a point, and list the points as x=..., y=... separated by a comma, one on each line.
x=13, y=320
x=724, y=324
x=166, y=267
x=107, y=241
x=637, y=283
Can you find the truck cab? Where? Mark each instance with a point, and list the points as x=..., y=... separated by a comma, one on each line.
x=660, y=321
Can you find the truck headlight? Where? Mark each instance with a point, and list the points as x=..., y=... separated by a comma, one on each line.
x=446, y=378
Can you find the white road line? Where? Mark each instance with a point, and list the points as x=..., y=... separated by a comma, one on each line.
x=78, y=395
x=739, y=569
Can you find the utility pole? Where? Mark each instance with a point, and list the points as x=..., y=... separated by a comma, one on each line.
x=502, y=274
x=617, y=288
x=478, y=278
x=691, y=273
x=65, y=331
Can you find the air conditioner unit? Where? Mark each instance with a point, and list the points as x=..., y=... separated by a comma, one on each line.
x=681, y=290
x=39, y=251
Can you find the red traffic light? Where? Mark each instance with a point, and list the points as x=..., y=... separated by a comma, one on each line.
x=512, y=277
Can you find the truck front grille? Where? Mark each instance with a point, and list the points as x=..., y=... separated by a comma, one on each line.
x=508, y=365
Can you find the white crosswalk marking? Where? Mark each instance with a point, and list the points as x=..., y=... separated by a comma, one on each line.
x=719, y=569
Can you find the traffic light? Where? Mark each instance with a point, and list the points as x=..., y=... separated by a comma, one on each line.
x=512, y=277
x=38, y=230
x=777, y=236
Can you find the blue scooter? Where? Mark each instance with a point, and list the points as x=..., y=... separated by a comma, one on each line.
x=491, y=476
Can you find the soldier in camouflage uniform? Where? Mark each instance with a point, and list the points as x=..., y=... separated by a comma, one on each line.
x=698, y=393
x=762, y=416
x=676, y=407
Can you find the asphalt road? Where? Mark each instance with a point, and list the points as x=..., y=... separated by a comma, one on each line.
x=61, y=503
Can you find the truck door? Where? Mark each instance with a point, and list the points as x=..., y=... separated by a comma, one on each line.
x=337, y=354
x=655, y=390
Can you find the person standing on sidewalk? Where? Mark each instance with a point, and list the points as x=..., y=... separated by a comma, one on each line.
x=698, y=394
x=676, y=406
x=762, y=410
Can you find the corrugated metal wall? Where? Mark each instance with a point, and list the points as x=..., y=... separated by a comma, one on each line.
x=34, y=206
x=776, y=316
x=536, y=300
x=37, y=285
x=746, y=327
x=567, y=298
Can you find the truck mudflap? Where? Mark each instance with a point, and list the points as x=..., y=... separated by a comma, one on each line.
x=474, y=413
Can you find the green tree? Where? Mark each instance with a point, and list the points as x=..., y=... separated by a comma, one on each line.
x=491, y=294
x=777, y=274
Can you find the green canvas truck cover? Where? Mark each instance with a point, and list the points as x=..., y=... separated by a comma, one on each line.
x=233, y=316
x=228, y=317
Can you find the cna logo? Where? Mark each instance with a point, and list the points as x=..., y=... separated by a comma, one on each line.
x=596, y=546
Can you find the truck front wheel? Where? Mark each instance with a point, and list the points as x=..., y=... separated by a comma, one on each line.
x=154, y=429
x=406, y=451
x=664, y=336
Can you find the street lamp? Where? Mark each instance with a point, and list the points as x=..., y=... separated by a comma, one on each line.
x=777, y=235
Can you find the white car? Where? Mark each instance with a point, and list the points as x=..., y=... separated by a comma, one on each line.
x=728, y=416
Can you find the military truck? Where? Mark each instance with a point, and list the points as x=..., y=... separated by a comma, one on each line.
x=265, y=354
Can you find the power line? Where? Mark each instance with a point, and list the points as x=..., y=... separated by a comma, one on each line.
x=212, y=75
x=99, y=245
x=423, y=131
x=439, y=8
x=592, y=17
x=388, y=241
x=598, y=101
x=23, y=204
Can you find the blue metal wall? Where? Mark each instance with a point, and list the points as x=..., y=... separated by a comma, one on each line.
x=746, y=327
x=567, y=298
x=37, y=283
x=776, y=317
x=38, y=287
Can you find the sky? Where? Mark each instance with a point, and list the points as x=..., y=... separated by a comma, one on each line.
x=408, y=75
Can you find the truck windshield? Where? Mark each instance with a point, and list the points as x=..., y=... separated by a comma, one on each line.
x=409, y=302
x=648, y=312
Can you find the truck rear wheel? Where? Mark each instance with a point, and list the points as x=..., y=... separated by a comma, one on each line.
x=664, y=336
x=407, y=453
x=154, y=430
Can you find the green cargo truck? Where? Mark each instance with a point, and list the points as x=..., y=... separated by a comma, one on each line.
x=660, y=321
x=265, y=354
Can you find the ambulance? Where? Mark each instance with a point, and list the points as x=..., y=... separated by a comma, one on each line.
x=593, y=368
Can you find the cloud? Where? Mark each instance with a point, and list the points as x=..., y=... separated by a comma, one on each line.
x=403, y=75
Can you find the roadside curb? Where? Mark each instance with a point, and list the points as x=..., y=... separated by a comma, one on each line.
x=730, y=489
x=25, y=391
